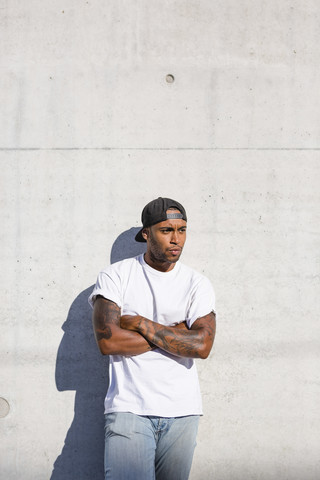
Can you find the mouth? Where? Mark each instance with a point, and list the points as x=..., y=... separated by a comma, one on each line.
x=175, y=251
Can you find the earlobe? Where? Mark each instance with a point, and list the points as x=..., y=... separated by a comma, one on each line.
x=145, y=234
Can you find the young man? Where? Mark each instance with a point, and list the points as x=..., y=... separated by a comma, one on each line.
x=153, y=316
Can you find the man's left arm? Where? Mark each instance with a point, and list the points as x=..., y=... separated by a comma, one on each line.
x=195, y=342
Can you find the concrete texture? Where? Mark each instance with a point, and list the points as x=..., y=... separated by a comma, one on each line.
x=90, y=131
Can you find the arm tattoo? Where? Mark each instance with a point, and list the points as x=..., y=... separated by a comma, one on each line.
x=182, y=343
x=106, y=333
x=175, y=342
x=106, y=313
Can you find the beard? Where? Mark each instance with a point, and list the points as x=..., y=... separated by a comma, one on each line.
x=157, y=254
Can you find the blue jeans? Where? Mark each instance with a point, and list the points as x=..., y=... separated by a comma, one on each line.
x=149, y=448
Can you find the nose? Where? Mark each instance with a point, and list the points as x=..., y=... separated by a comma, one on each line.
x=174, y=237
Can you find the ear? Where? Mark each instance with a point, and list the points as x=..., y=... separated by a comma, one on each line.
x=145, y=233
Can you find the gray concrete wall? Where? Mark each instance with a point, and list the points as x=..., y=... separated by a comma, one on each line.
x=90, y=130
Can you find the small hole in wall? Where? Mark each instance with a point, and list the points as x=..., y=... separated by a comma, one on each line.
x=4, y=408
x=170, y=78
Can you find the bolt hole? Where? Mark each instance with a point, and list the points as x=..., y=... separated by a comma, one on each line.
x=4, y=407
x=170, y=78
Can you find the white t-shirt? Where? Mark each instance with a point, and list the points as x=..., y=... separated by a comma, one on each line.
x=156, y=382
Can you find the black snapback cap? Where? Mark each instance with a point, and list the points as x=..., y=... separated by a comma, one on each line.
x=156, y=212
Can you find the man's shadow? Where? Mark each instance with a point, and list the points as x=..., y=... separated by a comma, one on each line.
x=80, y=367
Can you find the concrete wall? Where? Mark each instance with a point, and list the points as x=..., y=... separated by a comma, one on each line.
x=90, y=131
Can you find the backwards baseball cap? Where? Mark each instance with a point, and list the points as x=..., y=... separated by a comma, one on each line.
x=156, y=211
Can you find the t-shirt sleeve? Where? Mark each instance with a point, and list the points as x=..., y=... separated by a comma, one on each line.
x=107, y=285
x=202, y=301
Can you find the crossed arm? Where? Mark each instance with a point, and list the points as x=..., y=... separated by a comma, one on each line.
x=134, y=334
x=110, y=337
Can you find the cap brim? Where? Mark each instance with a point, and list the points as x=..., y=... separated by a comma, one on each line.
x=139, y=237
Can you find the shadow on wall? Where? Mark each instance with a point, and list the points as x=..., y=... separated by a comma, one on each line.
x=80, y=367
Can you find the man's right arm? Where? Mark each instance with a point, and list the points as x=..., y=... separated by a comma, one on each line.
x=111, y=339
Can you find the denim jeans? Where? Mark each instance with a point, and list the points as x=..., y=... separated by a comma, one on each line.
x=149, y=448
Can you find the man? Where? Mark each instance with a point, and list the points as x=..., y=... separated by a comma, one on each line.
x=153, y=316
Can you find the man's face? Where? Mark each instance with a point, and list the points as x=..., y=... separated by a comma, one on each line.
x=165, y=240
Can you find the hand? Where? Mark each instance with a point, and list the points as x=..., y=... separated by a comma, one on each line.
x=182, y=326
x=129, y=322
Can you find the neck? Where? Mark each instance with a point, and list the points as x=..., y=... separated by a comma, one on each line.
x=157, y=264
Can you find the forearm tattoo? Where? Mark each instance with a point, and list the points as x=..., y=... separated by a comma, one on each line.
x=106, y=313
x=189, y=343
